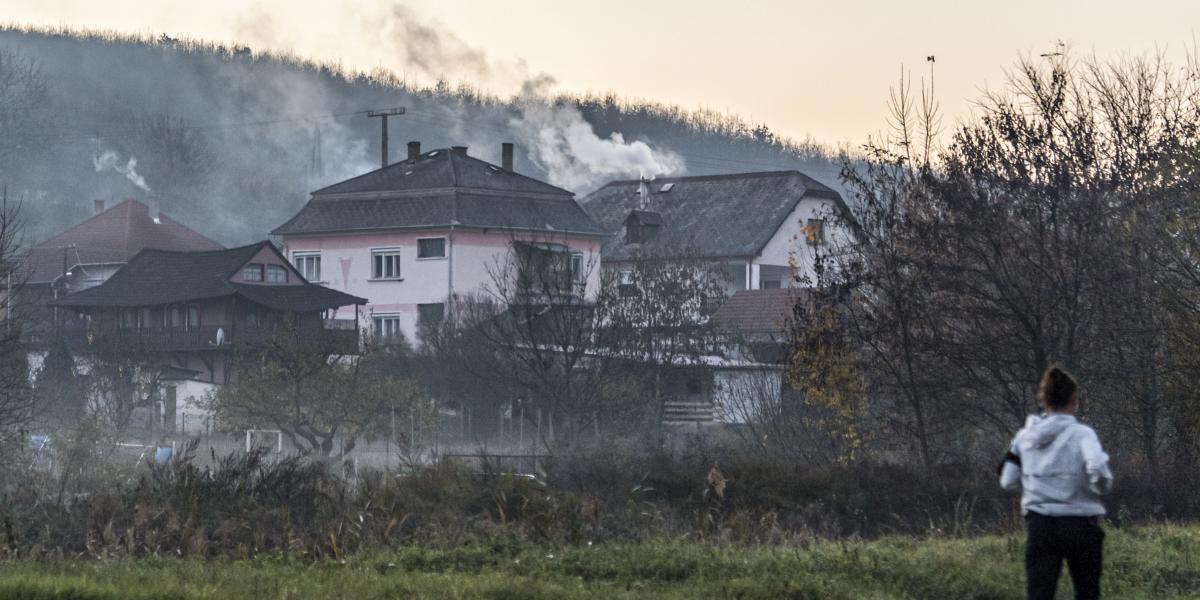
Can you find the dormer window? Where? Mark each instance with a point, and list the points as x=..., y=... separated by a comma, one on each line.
x=642, y=226
x=277, y=274
x=252, y=272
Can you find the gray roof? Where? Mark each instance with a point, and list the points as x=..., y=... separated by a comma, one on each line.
x=159, y=277
x=439, y=189
x=717, y=215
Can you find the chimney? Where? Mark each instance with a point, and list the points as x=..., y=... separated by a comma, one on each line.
x=459, y=150
x=414, y=150
x=99, y=205
x=506, y=156
x=644, y=193
x=152, y=208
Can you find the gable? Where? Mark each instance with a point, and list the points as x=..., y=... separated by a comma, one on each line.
x=268, y=255
x=719, y=216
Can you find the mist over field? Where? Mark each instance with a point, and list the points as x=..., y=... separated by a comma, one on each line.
x=232, y=140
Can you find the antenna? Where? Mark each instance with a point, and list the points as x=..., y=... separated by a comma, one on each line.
x=384, y=114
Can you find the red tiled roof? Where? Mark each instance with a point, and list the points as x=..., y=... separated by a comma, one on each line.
x=111, y=237
x=756, y=311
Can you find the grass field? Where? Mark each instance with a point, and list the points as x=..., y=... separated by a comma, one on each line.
x=1151, y=562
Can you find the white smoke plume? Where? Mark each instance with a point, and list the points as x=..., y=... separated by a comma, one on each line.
x=564, y=144
x=554, y=135
x=111, y=161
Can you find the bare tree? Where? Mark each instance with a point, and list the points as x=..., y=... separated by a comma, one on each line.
x=15, y=393
x=314, y=395
x=656, y=312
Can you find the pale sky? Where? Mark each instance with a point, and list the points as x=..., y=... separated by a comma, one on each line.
x=819, y=69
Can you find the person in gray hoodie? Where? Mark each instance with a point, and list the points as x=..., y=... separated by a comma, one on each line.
x=1062, y=471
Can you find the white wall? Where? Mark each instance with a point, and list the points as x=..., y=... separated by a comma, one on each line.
x=789, y=242
x=741, y=395
x=473, y=255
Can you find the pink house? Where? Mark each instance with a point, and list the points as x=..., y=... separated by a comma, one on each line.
x=416, y=235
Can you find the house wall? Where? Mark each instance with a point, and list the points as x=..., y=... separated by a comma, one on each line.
x=789, y=243
x=474, y=255
x=742, y=395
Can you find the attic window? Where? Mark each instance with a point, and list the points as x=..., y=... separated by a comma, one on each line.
x=252, y=272
x=666, y=187
x=434, y=153
x=277, y=274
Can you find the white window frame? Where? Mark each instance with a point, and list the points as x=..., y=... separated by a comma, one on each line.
x=445, y=247
x=386, y=252
x=381, y=332
x=575, y=266
x=300, y=257
x=262, y=272
x=274, y=268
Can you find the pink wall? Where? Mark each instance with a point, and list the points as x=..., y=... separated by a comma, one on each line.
x=475, y=254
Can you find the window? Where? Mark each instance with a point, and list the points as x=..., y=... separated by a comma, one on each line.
x=576, y=267
x=252, y=272
x=814, y=232
x=431, y=247
x=173, y=317
x=770, y=284
x=277, y=274
x=129, y=318
x=429, y=315
x=182, y=317
x=626, y=288
x=386, y=326
x=146, y=318
x=309, y=265
x=385, y=264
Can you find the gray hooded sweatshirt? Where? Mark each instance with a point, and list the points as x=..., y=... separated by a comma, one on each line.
x=1062, y=469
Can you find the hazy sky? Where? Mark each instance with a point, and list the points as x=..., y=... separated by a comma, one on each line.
x=819, y=69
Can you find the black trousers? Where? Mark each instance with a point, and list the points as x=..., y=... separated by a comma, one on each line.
x=1077, y=540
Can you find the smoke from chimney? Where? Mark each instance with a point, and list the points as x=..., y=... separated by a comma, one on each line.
x=110, y=161
x=414, y=150
x=506, y=156
x=152, y=208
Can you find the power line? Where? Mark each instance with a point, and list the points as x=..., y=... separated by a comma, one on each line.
x=130, y=132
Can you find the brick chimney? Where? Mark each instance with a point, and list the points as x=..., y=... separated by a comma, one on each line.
x=414, y=150
x=152, y=208
x=506, y=156
x=459, y=150
x=99, y=206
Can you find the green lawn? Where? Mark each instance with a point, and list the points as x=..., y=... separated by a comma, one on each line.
x=1152, y=562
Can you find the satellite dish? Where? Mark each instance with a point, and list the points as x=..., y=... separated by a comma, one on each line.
x=220, y=336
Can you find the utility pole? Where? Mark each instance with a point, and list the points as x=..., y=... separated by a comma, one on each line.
x=384, y=114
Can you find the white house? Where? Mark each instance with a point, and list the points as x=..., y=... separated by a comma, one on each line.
x=762, y=229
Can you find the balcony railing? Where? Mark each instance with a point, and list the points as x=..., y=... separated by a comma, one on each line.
x=191, y=339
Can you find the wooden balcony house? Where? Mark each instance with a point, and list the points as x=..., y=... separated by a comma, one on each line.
x=203, y=304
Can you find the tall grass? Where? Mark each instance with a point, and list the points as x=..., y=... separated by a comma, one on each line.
x=1154, y=562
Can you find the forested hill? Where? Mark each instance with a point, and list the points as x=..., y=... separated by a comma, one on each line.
x=231, y=141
